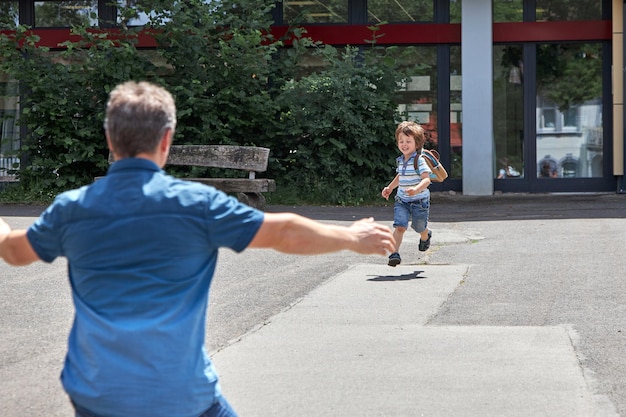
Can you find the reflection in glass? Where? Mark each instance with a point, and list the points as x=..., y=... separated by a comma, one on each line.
x=130, y=13
x=9, y=14
x=314, y=11
x=569, y=110
x=508, y=11
x=417, y=97
x=508, y=115
x=455, y=11
x=456, y=114
x=393, y=11
x=555, y=10
x=66, y=13
x=9, y=132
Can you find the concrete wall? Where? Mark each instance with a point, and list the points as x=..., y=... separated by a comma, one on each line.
x=618, y=87
x=477, y=58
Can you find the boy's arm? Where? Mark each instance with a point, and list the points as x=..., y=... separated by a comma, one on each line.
x=392, y=185
x=424, y=184
x=15, y=248
x=292, y=233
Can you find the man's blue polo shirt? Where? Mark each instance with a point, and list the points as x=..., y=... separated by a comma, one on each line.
x=141, y=248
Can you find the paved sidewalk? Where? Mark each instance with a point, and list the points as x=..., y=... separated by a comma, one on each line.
x=360, y=345
x=516, y=310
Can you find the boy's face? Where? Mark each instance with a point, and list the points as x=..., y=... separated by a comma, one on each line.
x=406, y=144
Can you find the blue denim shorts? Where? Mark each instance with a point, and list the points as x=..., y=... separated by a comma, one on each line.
x=416, y=211
x=220, y=409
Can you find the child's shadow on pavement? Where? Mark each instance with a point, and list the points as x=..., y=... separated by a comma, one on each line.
x=403, y=277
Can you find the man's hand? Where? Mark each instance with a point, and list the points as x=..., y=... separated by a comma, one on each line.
x=372, y=237
x=15, y=248
x=5, y=229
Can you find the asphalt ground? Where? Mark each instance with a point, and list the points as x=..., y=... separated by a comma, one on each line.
x=517, y=309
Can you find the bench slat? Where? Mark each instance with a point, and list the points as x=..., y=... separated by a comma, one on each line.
x=252, y=159
x=238, y=185
x=247, y=158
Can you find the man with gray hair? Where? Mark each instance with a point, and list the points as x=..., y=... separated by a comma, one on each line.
x=142, y=248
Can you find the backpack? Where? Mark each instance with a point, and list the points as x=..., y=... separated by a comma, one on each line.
x=431, y=157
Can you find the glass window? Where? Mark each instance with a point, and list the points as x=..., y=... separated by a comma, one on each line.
x=394, y=11
x=569, y=110
x=554, y=10
x=456, y=114
x=9, y=132
x=546, y=119
x=508, y=11
x=571, y=118
x=508, y=113
x=417, y=97
x=66, y=13
x=314, y=11
x=9, y=14
x=130, y=12
x=455, y=11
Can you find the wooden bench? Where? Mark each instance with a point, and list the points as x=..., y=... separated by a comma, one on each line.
x=251, y=159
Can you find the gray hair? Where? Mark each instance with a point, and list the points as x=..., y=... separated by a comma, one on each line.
x=137, y=116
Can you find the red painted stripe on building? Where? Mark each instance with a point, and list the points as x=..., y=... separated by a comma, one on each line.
x=391, y=34
x=407, y=34
x=589, y=30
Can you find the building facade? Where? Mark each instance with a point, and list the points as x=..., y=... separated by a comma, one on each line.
x=517, y=95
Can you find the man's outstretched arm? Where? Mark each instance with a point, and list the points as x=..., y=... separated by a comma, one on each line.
x=295, y=234
x=15, y=248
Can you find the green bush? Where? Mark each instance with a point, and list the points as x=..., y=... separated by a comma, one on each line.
x=62, y=100
x=330, y=132
x=339, y=125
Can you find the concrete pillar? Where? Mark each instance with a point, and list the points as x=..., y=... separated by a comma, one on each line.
x=476, y=62
x=618, y=87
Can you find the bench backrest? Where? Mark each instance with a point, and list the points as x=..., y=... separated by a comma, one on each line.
x=252, y=159
x=247, y=158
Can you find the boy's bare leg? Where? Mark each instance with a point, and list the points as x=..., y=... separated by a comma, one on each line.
x=398, y=233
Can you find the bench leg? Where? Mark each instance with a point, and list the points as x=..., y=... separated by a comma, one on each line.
x=256, y=200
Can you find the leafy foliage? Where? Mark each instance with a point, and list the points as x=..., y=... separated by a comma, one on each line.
x=567, y=74
x=330, y=132
x=220, y=56
x=341, y=122
x=8, y=15
x=62, y=100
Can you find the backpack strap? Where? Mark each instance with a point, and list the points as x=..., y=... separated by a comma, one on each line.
x=431, y=156
x=415, y=162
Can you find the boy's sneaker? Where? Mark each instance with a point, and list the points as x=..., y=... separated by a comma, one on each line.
x=394, y=259
x=425, y=244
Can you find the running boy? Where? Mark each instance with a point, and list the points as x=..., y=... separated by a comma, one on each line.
x=412, y=200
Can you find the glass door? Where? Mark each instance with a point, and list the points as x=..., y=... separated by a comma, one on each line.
x=569, y=128
x=549, y=118
x=508, y=112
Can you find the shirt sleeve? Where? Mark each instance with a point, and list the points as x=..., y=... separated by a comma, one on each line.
x=422, y=166
x=45, y=235
x=232, y=224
